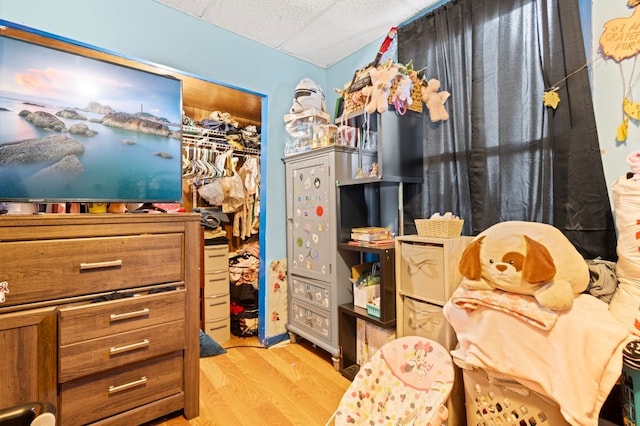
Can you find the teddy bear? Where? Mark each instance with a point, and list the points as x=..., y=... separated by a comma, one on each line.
x=527, y=258
x=378, y=92
x=435, y=100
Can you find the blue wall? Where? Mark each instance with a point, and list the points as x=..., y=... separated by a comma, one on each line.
x=152, y=32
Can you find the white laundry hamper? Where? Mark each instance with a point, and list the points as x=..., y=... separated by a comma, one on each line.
x=496, y=399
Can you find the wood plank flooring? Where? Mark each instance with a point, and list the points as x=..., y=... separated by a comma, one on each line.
x=292, y=384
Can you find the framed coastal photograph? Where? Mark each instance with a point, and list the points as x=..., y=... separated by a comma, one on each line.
x=80, y=128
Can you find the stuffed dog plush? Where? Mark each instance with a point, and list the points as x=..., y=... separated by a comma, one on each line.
x=526, y=258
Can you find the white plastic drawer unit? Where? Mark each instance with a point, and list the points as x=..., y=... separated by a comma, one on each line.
x=216, y=258
x=422, y=271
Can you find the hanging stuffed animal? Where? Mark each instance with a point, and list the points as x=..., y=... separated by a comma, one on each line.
x=378, y=93
x=401, y=98
x=435, y=100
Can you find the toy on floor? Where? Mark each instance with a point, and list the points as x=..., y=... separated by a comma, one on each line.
x=408, y=380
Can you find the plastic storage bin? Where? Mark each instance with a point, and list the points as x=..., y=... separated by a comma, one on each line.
x=301, y=130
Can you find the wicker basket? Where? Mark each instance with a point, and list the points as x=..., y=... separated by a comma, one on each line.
x=439, y=228
x=416, y=92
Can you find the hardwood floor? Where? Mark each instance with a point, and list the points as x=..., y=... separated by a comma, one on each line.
x=292, y=384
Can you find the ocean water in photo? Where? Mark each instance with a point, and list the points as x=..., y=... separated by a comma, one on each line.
x=118, y=164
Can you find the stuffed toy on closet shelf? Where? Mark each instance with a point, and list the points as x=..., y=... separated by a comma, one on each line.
x=434, y=100
x=526, y=258
x=378, y=93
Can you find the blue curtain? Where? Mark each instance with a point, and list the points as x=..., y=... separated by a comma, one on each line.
x=503, y=155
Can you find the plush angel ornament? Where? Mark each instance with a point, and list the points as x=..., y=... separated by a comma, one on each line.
x=527, y=258
x=435, y=100
x=378, y=93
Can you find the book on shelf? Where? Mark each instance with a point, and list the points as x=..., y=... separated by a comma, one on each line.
x=373, y=244
x=370, y=237
x=370, y=234
x=369, y=230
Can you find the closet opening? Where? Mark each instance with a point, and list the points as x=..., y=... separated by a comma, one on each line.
x=222, y=145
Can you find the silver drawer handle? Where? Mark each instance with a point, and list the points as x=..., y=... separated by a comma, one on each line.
x=127, y=315
x=141, y=381
x=127, y=348
x=100, y=265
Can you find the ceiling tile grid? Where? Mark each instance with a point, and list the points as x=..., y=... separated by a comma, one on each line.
x=319, y=32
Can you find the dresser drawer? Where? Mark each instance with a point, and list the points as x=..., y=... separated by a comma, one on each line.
x=217, y=283
x=97, y=355
x=216, y=307
x=216, y=258
x=78, y=266
x=312, y=292
x=92, y=398
x=312, y=319
x=422, y=272
x=90, y=321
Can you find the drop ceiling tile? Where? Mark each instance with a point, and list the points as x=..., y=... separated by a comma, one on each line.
x=320, y=32
x=269, y=23
x=340, y=32
x=191, y=7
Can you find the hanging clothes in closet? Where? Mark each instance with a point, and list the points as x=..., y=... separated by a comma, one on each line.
x=221, y=162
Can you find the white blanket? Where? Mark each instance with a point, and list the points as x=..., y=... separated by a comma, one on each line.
x=576, y=363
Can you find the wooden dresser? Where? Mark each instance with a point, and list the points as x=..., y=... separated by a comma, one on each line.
x=99, y=315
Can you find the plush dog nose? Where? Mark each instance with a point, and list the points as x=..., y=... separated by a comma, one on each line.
x=501, y=268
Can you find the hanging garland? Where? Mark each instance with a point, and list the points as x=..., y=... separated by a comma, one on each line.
x=618, y=42
x=551, y=97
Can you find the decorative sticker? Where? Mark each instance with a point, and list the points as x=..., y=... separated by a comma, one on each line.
x=307, y=244
x=319, y=211
x=320, y=228
x=301, y=257
x=299, y=241
x=298, y=212
x=314, y=237
x=4, y=289
x=307, y=183
x=316, y=182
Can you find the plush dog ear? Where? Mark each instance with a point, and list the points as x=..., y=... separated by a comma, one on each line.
x=469, y=265
x=538, y=264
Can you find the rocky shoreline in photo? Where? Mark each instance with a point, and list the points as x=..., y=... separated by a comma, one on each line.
x=60, y=150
